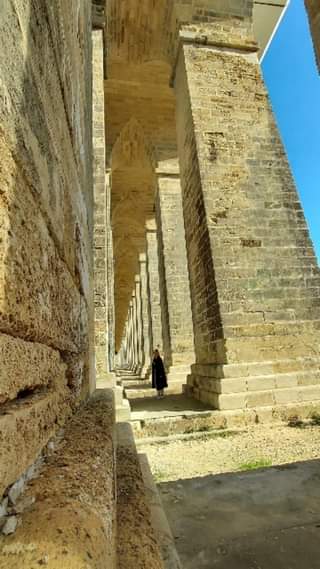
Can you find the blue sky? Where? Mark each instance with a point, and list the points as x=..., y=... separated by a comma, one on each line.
x=293, y=82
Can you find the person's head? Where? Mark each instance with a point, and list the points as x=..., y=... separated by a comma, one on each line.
x=156, y=353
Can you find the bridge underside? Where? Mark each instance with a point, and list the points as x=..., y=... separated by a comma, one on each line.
x=211, y=260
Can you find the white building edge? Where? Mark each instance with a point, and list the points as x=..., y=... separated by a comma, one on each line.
x=267, y=16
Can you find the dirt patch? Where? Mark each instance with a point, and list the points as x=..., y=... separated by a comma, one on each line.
x=271, y=445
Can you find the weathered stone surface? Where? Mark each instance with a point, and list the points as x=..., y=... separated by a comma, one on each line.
x=71, y=522
x=26, y=425
x=10, y=526
x=39, y=299
x=46, y=225
x=27, y=366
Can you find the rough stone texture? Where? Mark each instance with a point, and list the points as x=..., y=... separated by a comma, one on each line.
x=254, y=276
x=26, y=426
x=179, y=346
x=46, y=305
x=27, y=366
x=72, y=520
x=313, y=8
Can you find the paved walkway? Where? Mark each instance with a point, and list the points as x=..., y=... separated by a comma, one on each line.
x=145, y=404
x=263, y=519
x=169, y=406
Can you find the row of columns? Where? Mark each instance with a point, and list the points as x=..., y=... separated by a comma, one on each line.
x=245, y=247
x=159, y=314
x=228, y=257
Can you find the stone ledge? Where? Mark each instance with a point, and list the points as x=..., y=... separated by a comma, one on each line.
x=137, y=546
x=71, y=520
x=205, y=421
x=158, y=517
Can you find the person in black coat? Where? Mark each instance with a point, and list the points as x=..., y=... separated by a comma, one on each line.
x=159, y=378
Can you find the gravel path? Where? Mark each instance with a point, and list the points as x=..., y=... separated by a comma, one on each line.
x=267, y=445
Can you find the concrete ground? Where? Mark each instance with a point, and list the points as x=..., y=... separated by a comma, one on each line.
x=262, y=519
x=169, y=406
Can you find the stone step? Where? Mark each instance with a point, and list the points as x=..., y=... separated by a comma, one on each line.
x=135, y=383
x=255, y=399
x=123, y=412
x=255, y=383
x=137, y=545
x=205, y=421
x=232, y=371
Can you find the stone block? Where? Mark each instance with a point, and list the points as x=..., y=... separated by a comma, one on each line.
x=311, y=393
x=259, y=399
x=123, y=412
x=27, y=428
x=28, y=366
x=231, y=401
x=261, y=383
x=283, y=396
x=286, y=380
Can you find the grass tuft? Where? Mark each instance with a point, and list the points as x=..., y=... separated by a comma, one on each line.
x=254, y=464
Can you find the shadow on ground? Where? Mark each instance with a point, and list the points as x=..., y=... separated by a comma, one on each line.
x=263, y=519
x=170, y=405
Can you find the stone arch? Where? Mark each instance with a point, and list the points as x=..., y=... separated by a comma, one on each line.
x=131, y=146
x=133, y=165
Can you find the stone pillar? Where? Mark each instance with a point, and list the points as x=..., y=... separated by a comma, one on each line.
x=110, y=279
x=145, y=311
x=125, y=347
x=253, y=272
x=131, y=361
x=135, y=333
x=100, y=215
x=139, y=327
x=174, y=274
x=154, y=287
x=313, y=8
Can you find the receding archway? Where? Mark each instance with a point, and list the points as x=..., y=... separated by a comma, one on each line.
x=133, y=164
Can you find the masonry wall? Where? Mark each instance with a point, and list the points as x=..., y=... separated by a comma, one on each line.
x=313, y=8
x=253, y=271
x=46, y=308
